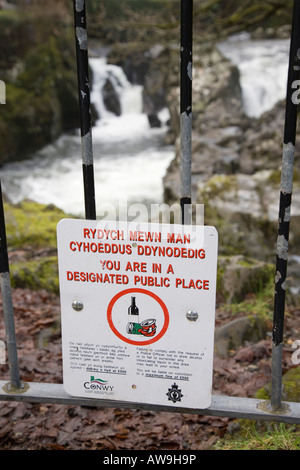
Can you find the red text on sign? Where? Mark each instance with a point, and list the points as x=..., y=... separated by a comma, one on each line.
x=192, y=284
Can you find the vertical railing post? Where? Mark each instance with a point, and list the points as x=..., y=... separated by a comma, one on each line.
x=292, y=101
x=186, y=62
x=85, y=107
x=8, y=313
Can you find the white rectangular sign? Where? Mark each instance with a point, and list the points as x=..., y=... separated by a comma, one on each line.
x=138, y=311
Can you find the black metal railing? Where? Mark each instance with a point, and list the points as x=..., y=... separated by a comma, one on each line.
x=275, y=410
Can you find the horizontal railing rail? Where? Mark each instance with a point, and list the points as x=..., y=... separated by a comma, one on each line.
x=232, y=407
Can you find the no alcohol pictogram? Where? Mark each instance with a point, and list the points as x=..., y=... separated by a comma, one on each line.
x=138, y=316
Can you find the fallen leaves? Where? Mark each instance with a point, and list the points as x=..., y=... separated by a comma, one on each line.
x=38, y=426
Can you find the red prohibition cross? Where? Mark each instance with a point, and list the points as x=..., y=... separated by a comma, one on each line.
x=141, y=291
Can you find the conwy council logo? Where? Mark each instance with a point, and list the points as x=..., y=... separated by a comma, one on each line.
x=97, y=384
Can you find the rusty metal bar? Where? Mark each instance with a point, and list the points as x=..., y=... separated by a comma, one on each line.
x=186, y=63
x=285, y=201
x=85, y=107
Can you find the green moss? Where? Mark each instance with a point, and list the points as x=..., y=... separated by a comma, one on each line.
x=220, y=277
x=232, y=240
x=29, y=120
x=217, y=185
x=30, y=224
x=246, y=262
x=290, y=387
x=263, y=393
x=275, y=177
x=245, y=284
x=258, y=303
x=32, y=243
x=37, y=274
x=199, y=107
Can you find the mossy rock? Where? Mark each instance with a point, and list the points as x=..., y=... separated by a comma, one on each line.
x=32, y=244
x=29, y=120
x=39, y=273
x=239, y=275
x=290, y=387
x=242, y=208
x=13, y=31
x=31, y=225
x=41, y=101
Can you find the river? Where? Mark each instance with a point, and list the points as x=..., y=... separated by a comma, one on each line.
x=130, y=158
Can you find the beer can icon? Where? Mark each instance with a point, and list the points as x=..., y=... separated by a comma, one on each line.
x=145, y=328
x=148, y=327
x=133, y=328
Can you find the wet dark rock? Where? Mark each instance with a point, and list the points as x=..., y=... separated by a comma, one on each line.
x=111, y=98
x=154, y=120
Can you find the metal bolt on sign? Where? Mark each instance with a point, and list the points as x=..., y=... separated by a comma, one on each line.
x=77, y=305
x=192, y=315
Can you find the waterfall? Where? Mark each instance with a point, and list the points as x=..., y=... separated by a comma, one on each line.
x=263, y=67
x=130, y=158
x=129, y=96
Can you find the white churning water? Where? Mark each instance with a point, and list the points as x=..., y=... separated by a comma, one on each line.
x=263, y=67
x=130, y=158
